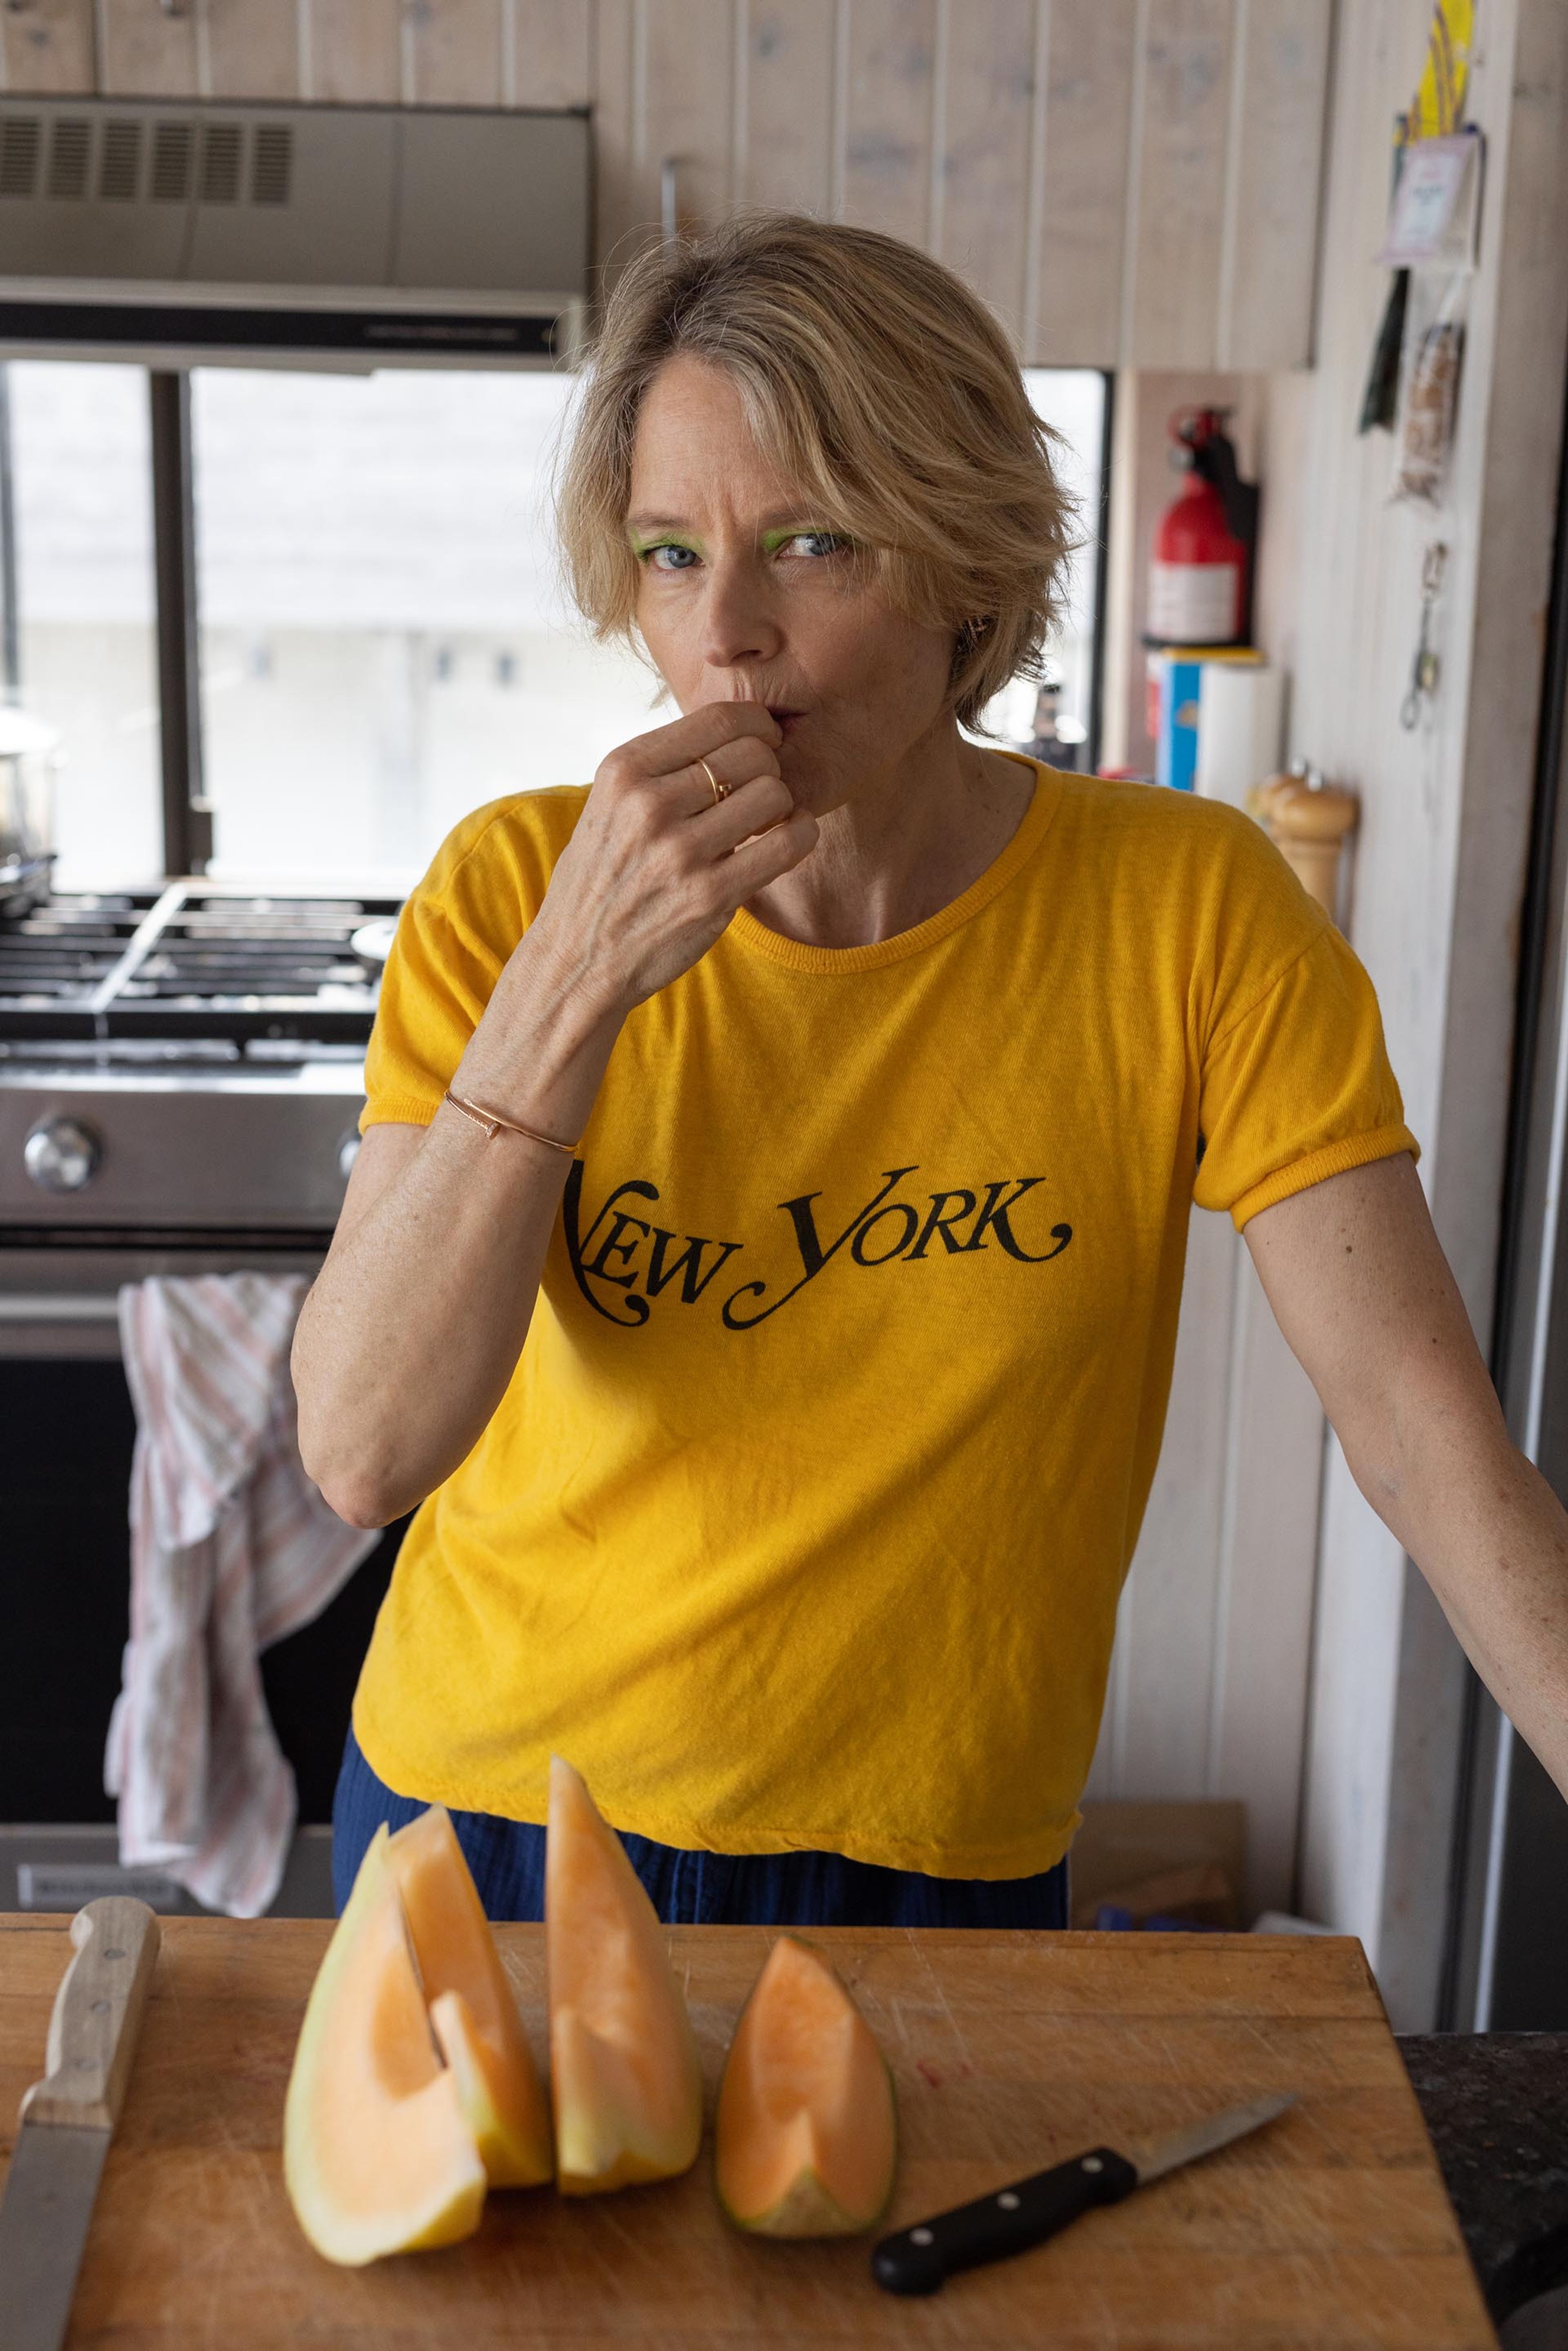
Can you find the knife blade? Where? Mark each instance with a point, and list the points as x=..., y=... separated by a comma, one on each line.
x=69, y=2119
x=1011, y=2219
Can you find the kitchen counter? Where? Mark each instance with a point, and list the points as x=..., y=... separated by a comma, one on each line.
x=1496, y=2104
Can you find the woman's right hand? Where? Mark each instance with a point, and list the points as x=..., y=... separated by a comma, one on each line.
x=656, y=868
x=414, y=1328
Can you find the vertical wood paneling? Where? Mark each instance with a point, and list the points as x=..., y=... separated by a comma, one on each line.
x=689, y=92
x=249, y=48
x=1115, y=204
x=1172, y=314
x=887, y=103
x=1439, y=864
x=1084, y=182
x=353, y=51
x=145, y=53
x=548, y=44
x=47, y=46
x=787, y=149
x=620, y=226
x=1209, y=1688
x=1263, y=1622
x=1265, y=298
x=988, y=105
x=1166, y=1639
x=456, y=51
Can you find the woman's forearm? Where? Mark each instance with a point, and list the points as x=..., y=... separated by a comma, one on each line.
x=412, y=1330
x=1491, y=1538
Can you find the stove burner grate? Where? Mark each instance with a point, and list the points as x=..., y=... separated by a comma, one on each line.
x=196, y=961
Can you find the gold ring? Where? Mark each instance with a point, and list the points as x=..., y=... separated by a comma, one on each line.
x=720, y=791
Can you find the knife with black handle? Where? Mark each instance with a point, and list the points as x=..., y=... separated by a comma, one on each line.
x=1010, y=2220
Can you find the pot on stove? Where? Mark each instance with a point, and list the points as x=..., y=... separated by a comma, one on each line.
x=29, y=754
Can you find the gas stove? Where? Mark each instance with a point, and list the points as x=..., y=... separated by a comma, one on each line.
x=214, y=966
x=181, y=1077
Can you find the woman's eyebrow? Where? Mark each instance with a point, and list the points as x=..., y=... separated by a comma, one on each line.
x=674, y=522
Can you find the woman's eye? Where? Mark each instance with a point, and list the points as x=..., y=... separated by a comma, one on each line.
x=668, y=546
x=819, y=542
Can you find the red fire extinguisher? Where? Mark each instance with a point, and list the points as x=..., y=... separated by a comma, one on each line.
x=1200, y=572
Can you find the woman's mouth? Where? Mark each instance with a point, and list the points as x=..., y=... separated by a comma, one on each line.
x=787, y=720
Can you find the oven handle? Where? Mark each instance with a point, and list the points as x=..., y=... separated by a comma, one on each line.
x=63, y=1306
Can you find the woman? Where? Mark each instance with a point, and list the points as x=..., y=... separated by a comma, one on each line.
x=763, y=1261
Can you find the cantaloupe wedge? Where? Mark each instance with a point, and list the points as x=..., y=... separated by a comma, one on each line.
x=378, y=2154
x=472, y=2010
x=625, y=2078
x=806, y=2134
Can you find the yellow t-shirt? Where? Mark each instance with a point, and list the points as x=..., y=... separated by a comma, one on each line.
x=803, y=1522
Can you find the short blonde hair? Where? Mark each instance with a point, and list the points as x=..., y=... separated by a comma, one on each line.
x=875, y=380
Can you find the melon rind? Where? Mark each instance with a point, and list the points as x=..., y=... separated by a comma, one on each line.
x=378, y=2157
x=814, y=2141
x=625, y=2075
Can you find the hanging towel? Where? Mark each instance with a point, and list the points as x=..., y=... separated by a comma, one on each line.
x=231, y=1548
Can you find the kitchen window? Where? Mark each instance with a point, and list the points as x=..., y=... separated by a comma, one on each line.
x=82, y=653
x=375, y=636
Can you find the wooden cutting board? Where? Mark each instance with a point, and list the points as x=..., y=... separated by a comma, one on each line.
x=1329, y=2229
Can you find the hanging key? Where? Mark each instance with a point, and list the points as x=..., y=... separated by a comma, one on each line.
x=1427, y=666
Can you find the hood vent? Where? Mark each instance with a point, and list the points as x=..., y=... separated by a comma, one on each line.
x=350, y=236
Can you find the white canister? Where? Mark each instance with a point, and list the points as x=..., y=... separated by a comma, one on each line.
x=1240, y=727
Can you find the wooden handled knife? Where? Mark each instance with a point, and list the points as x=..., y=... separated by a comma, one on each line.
x=1010, y=2220
x=67, y=2119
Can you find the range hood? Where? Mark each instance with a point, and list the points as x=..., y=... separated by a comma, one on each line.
x=175, y=233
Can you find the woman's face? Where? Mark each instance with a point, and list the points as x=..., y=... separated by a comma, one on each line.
x=743, y=596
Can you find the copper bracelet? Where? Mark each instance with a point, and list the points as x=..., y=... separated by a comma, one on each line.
x=492, y=1124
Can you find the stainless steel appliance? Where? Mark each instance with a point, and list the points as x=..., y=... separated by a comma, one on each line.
x=181, y=1074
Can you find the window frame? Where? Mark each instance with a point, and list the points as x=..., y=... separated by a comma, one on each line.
x=187, y=813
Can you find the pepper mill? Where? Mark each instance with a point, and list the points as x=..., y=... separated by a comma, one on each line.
x=1310, y=820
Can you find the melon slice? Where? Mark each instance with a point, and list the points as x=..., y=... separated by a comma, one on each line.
x=472, y=2012
x=378, y=2154
x=625, y=2074
x=806, y=2136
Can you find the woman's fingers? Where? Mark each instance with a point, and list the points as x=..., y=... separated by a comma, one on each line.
x=737, y=739
x=752, y=804
x=658, y=863
x=711, y=727
x=767, y=855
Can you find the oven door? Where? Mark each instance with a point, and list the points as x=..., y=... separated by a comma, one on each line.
x=67, y=1433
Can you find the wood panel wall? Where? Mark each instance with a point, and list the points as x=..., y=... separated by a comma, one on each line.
x=1129, y=183
x=1211, y=1674
x=1440, y=866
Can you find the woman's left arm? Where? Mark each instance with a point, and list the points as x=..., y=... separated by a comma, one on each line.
x=1361, y=1291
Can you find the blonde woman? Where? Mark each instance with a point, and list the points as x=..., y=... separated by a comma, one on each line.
x=763, y=1261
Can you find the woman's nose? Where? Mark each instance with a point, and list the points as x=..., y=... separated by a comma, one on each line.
x=738, y=620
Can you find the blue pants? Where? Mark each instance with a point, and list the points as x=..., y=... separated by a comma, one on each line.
x=768, y=1889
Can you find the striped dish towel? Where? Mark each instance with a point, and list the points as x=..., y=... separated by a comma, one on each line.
x=231, y=1548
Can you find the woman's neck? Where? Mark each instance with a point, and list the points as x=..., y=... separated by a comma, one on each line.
x=909, y=844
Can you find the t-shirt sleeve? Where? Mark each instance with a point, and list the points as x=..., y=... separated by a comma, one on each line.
x=454, y=936
x=1296, y=1084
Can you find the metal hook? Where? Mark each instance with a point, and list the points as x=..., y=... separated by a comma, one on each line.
x=1424, y=674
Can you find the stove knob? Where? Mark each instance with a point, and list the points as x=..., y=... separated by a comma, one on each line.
x=347, y=1152
x=62, y=1155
